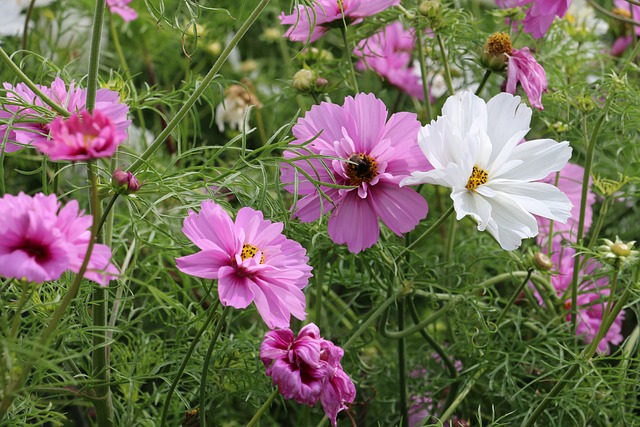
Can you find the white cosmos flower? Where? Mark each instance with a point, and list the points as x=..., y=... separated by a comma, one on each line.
x=475, y=150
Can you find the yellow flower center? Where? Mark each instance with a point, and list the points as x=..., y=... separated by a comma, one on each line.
x=249, y=251
x=362, y=169
x=498, y=44
x=477, y=178
x=622, y=12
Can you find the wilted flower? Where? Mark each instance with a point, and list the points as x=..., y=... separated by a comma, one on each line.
x=370, y=153
x=82, y=136
x=121, y=7
x=540, y=14
x=234, y=110
x=252, y=260
x=31, y=126
x=475, y=150
x=39, y=240
x=522, y=67
x=307, y=369
x=310, y=23
x=124, y=182
x=388, y=53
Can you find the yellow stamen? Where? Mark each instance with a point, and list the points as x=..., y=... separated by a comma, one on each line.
x=477, y=178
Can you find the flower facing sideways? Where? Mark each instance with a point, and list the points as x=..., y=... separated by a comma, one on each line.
x=522, y=67
x=475, y=150
x=540, y=14
x=371, y=154
x=307, y=368
x=252, y=260
x=39, y=240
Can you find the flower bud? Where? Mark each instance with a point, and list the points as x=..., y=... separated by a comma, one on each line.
x=496, y=49
x=124, y=182
x=542, y=261
x=321, y=82
x=618, y=253
x=272, y=34
x=303, y=80
x=429, y=8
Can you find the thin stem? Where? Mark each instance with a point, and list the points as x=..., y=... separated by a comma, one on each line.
x=418, y=326
x=107, y=210
x=31, y=85
x=94, y=54
x=427, y=233
x=612, y=291
x=25, y=31
x=513, y=298
x=445, y=64
x=319, y=279
x=463, y=393
x=423, y=75
x=118, y=46
x=604, y=11
x=212, y=314
x=595, y=230
x=207, y=361
x=27, y=290
x=200, y=88
x=263, y=408
x=402, y=368
x=485, y=78
x=347, y=54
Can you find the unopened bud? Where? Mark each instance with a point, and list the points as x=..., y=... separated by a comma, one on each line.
x=303, y=80
x=429, y=8
x=272, y=34
x=124, y=182
x=542, y=261
x=321, y=82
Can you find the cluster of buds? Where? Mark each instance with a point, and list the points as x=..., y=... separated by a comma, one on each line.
x=431, y=9
x=618, y=253
x=307, y=81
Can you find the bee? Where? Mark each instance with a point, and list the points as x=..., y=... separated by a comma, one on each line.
x=360, y=164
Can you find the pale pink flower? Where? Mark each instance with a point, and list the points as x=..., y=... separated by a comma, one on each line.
x=388, y=53
x=310, y=23
x=121, y=7
x=370, y=153
x=252, y=260
x=82, y=136
x=522, y=67
x=39, y=240
x=32, y=125
x=307, y=369
x=540, y=14
x=570, y=183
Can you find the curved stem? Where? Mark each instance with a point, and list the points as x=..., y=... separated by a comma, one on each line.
x=513, y=298
x=205, y=364
x=427, y=233
x=263, y=408
x=200, y=88
x=621, y=18
x=418, y=326
x=212, y=314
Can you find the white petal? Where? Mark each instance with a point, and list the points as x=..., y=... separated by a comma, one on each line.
x=469, y=203
x=507, y=117
x=511, y=223
x=540, y=157
x=465, y=112
x=538, y=198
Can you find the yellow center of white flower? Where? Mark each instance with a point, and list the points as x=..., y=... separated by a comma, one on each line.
x=477, y=178
x=249, y=251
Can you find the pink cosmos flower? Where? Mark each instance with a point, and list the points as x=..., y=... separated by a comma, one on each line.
x=31, y=125
x=620, y=45
x=370, y=153
x=252, y=260
x=82, y=136
x=388, y=53
x=39, y=240
x=523, y=67
x=310, y=23
x=540, y=15
x=307, y=369
x=570, y=183
x=633, y=9
x=121, y=7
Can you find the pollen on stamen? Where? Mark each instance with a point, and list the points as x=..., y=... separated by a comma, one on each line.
x=362, y=169
x=249, y=251
x=477, y=178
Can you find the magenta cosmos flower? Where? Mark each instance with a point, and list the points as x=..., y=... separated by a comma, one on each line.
x=39, y=240
x=121, y=7
x=32, y=125
x=252, y=260
x=371, y=154
x=307, y=368
x=310, y=23
x=522, y=67
x=540, y=15
x=388, y=53
x=82, y=136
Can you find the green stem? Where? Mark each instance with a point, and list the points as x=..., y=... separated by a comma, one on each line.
x=595, y=230
x=427, y=233
x=402, y=367
x=463, y=393
x=200, y=88
x=206, y=362
x=94, y=54
x=31, y=85
x=212, y=314
x=423, y=75
x=25, y=31
x=347, y=54
x=403, y=333
x=263, y=408
x=513, y=298
x=485, y=78
x=586, y=354
x=319, y=279
x=27, y=290
x=116, y=42
x=445, y=64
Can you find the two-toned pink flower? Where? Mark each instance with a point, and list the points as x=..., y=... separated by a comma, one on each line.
x=312, y=22
x=39, y=240
x=365, y=150
x=307, y=368
x=252, y=261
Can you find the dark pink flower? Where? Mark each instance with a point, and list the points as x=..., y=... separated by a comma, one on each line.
x=32, y=125
x=252, y=260
x=370, y=153
x=620, y=45
x=82, y=136
x=39, y=240
x=121, y=7
x=310, y=23
x=522, y=67
x=388, y=53
x=540, y=14
x=307, y=369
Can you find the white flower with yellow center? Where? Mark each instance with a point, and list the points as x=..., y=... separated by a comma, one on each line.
x=475, y=150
